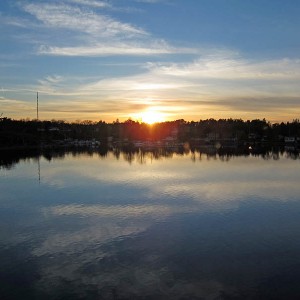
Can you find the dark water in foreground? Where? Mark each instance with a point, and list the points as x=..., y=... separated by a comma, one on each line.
x=150, y=226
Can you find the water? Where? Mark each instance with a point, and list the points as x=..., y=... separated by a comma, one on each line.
x=149, y=225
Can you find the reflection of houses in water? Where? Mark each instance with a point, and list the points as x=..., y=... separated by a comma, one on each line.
x=290, y=139
x=170, y=141
x=215, y=140
x=291, y=143
x=91, y=143
x=212, y=136
x=167, y=142
x=9, y=158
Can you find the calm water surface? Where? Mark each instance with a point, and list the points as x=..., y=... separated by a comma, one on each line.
x=118, y=225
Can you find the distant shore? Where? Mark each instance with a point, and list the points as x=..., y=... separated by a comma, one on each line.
x=20, y=134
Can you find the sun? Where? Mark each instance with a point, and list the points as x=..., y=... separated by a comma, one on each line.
x=152, y=116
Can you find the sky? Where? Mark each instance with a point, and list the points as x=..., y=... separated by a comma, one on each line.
x=150, y=60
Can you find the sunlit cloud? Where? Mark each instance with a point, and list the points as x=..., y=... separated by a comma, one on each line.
x=192, y=90
x=234, y=68
x=127, y=49
x=214, y=77
x=184, y=79
x=11, y=107
x=250, y=86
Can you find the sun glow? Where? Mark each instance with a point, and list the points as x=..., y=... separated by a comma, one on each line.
x=152, y=116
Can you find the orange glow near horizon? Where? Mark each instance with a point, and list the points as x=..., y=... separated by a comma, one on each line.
x=151, y=116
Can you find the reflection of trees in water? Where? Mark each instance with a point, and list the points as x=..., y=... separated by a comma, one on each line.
x=293, y=155
x=147, y=155
x=9, y=158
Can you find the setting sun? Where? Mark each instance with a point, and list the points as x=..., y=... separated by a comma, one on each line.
x=152, y=116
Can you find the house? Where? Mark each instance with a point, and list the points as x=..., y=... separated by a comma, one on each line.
x=290, y=139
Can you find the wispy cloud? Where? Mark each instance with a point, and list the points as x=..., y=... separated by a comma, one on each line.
x=232, y=67
x=12, y=108
x=94, y=34
x=76, y=19
x=210, y=80
x=128, y=49
x=211, y=74
x=14, y=21
x=211, y=85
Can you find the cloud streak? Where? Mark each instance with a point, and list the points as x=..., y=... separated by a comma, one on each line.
x=212, y=77
x=210, y=85
x=81, y=43
x=76, y=19
x=128, y=49
x=95, y=34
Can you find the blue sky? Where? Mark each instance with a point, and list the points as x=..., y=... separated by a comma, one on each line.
x=191, y=59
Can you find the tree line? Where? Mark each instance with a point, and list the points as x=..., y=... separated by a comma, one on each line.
x=34, y=132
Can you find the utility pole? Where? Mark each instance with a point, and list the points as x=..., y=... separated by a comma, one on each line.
x=37, y=105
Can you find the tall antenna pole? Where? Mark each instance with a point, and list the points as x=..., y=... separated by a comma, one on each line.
x=37, y=105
